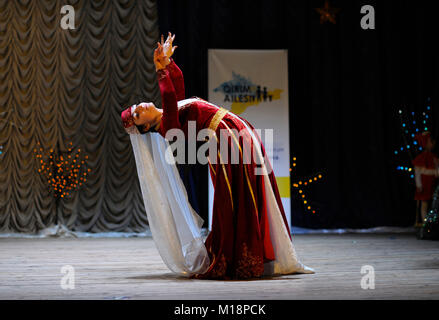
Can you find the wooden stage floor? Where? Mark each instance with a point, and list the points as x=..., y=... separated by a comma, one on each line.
x=130, y=268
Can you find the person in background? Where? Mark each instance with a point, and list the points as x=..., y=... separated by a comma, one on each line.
x=426, y=174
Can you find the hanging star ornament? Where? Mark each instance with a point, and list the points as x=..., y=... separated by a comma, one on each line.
x=327, y=13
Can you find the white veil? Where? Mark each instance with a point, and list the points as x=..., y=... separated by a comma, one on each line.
x=175, y=226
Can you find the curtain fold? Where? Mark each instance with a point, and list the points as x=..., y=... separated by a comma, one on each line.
x=59, y=86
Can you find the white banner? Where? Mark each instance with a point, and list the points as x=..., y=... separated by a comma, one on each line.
x=254, y=85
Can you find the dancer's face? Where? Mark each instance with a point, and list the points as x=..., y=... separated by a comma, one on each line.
x=147, y=115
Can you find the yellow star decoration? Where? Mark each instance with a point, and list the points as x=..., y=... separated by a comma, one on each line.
x=327, y=13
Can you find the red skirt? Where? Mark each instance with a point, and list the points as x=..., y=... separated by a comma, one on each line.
x=239, y=243
x=428, y=185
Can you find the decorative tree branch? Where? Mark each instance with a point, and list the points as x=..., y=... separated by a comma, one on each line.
x=63, y=173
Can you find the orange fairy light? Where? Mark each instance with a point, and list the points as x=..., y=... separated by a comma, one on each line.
x=299, y=185
x=60, y=173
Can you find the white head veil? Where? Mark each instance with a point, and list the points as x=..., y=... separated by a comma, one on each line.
x=175, y=226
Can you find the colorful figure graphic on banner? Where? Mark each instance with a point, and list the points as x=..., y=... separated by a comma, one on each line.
x=243, y=93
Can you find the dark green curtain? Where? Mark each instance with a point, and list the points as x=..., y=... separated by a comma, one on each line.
x=59, y=86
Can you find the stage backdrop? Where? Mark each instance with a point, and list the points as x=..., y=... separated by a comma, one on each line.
x=346, y=86
x=58, y=86
x=254, y=84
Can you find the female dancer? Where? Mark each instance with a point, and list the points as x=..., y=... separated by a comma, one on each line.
x=250, y=236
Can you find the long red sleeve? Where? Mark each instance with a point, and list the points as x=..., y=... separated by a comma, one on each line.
x=169, y=101
x=177, y=79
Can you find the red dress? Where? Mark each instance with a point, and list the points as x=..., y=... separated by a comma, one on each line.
x=427, y=160
x=239, y=243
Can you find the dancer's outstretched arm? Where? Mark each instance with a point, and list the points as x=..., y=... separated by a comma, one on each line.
x=174, y=71
x=167, y=90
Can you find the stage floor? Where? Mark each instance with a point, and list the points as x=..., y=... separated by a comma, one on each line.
x=131, y=268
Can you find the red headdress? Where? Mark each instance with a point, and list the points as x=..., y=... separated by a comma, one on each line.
x=128, y=121
x=127, y=118
x=423, y=138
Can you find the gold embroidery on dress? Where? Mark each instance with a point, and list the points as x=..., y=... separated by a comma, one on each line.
x=245, y=166
x=217, y=118
x=249, y=266
x=219, y=269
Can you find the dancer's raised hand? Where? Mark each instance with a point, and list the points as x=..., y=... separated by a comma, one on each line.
x=160, y=59
x=167, y=45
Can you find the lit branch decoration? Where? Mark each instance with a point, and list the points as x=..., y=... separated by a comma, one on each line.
x=63, y=173
x=299, y=185
x=410, y=126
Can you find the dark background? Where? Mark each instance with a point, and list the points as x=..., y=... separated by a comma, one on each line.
x=346, y=87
